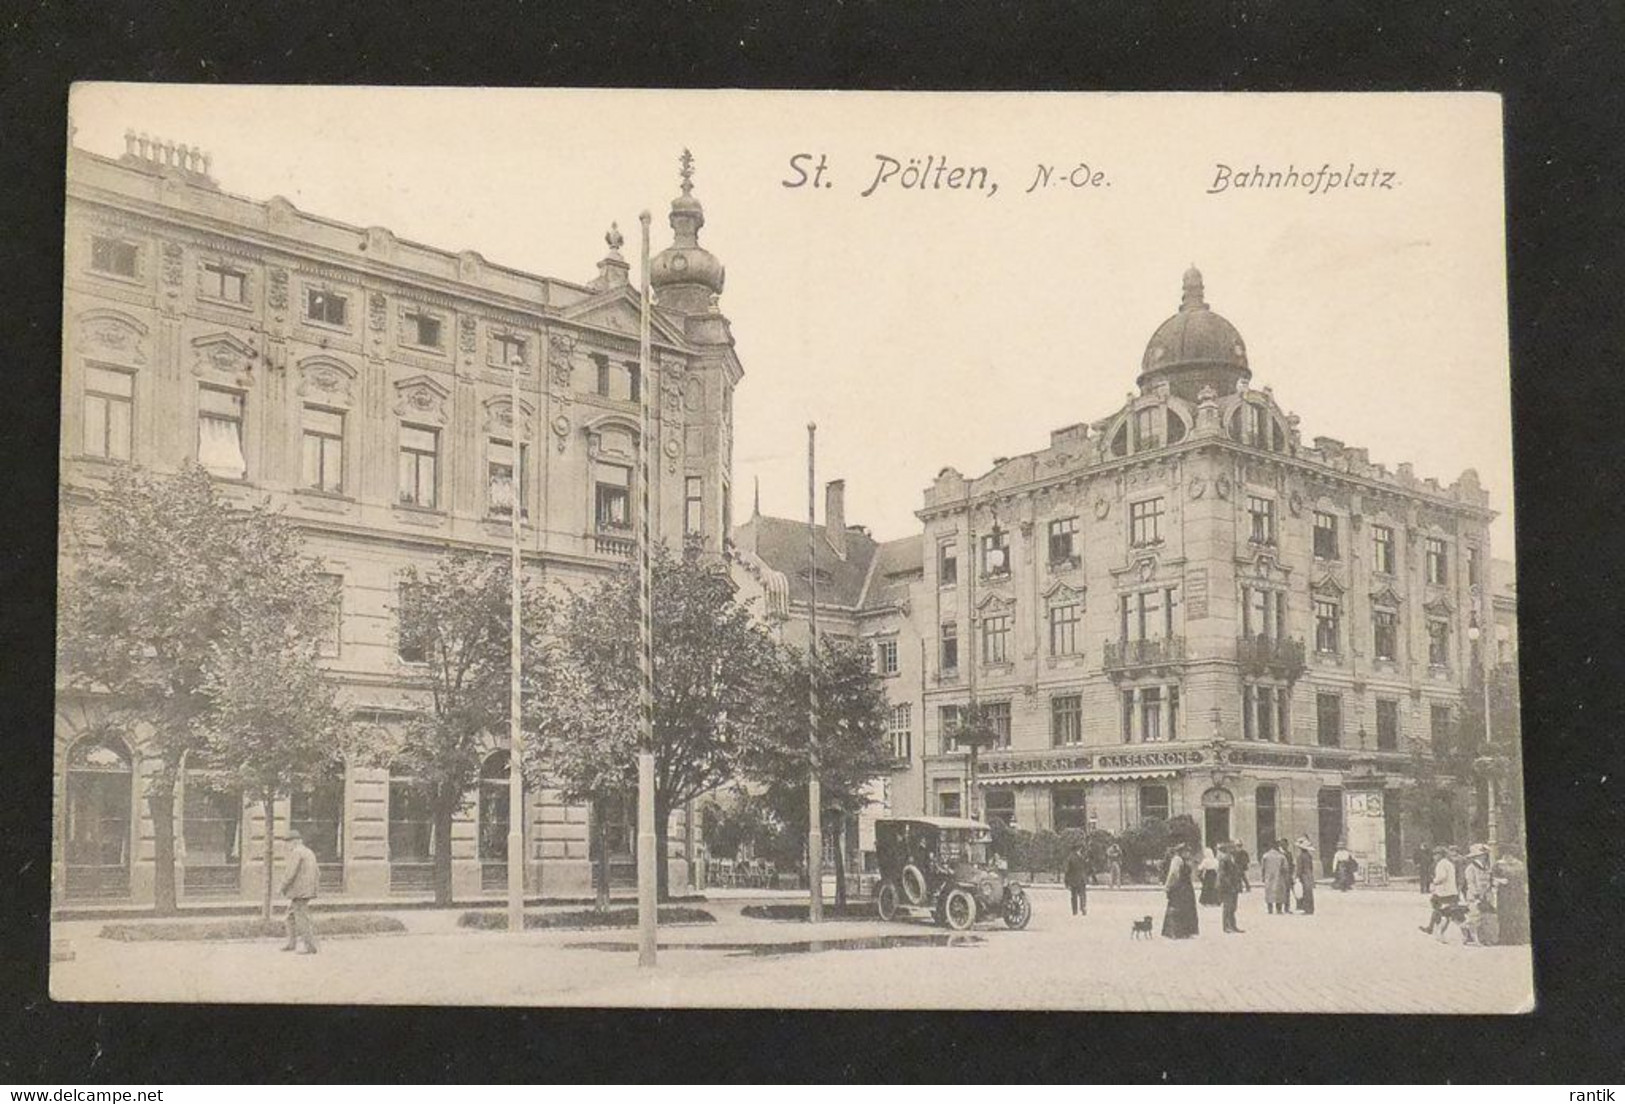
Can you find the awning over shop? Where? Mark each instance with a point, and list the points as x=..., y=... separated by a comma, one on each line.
x=1077, y=779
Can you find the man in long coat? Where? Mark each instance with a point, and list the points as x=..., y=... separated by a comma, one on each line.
x=1275, y=870
x=299, y=887
x=1306, y=876
x=1229, y=884
x=1077, y=881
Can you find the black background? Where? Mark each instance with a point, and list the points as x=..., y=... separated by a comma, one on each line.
x=1560, y=69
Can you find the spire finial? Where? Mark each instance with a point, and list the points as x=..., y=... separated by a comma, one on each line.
x=1192, y=286
x=687, y=171
x=756, y=504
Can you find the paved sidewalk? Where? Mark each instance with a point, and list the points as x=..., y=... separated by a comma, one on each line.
x=1360, y=952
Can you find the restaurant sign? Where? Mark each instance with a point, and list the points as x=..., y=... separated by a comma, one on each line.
x=1052, y=762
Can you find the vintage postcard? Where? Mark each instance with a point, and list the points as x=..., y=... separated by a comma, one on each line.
x=769, y=549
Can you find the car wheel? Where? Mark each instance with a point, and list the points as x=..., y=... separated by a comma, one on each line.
x=913, y=885
x=886, y=901
x=959, y=909
x=1018, y=910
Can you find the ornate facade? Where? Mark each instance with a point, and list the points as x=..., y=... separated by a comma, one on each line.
x=1181, y=608
x=360, y=384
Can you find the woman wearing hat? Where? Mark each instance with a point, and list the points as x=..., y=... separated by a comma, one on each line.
x=1512, y=896
x=1478, y=890
x=1179, y=922
x=1306, y=876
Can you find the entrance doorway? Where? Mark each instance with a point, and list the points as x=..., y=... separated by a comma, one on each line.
x=1331, y=824
x=1265, y=805
x=1216, y=805
x=493, y=823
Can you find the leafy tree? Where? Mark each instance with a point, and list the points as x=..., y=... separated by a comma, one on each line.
x=167, y=590
x=852, y=747
x=455, y=621
x=713, y=666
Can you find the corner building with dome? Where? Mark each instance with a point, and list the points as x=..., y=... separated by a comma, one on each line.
x=1181, y=608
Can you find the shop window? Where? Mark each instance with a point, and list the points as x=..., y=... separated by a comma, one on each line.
x=1154, y=803
x=999, y=807
x=212, y=830
x=317, y=813
x=411, y=833
x=98, y=806
x=1070, y=808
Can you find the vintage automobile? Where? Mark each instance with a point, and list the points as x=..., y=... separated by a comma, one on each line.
x=945, y=864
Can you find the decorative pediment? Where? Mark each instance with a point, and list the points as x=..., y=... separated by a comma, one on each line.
x=1329, y=585
x=1440, y=606
x=612, y=437
x=111, y=335
x=1386, y=597
x=995, y=604
x=1059, y=594
x=326, y=377
x=223, y=352
x=618, y=311
x=499, y=416
x=1263, y=565
x=422, y=398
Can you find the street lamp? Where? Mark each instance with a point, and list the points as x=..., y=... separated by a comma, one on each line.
x=1486, y=765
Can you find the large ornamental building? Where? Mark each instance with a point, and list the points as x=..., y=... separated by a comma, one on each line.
x=360, y=383
x=1182, y=608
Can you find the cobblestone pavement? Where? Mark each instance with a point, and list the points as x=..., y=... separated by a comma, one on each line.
x=1361, y=952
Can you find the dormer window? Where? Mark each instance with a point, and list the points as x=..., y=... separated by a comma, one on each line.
x=1147, y=431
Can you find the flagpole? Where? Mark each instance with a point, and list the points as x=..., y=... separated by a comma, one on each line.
x=815, y=831
x=516, y=737
x=648, y=871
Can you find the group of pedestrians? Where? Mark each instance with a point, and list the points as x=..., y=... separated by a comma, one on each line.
x=1222, y=874
x=1486, y=900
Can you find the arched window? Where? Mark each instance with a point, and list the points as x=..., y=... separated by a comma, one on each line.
x=411, y=833
x=96, y=835
x=318, y=813
x=212, y=830
x=494, y=821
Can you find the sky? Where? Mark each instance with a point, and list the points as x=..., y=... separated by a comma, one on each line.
x=927, y=327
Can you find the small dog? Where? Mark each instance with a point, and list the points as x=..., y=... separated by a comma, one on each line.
x=1141, y=927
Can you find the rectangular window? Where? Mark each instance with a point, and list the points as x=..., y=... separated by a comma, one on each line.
x=1473, y=570
x=422, y=329
x=509, y=349
x=114, y=257
x=999, y=807
x=324, y=450
x=1437, y=561
x=1387, y=724
x=693, y=504
x=1063, y=629
x=327, y=307
x=996, y=639
x=886, y=657
x=1438, y=642
x=223, y=282
x=1325, y=535
x=996, y=552
x=1329, y=720
x=1154, y=803
x=1173, y=713
x=948, y=563
x=948, y=727
x=1265, y=698
x=1148, y=614
x=998, y=716
x=1385, y=633
x=499, y=492
x=634, y=382
x=1062, y=537
x=1066, y=720
x=418, y=466
x=1439, y=724
x=901, y=730
x=1328, y=625
x=948, y=805
x=409, y=646
x=1382, y=549
x=1145, y=429
x=601, y=384
x=1261, y=515
x=1128, y=716
x=109, y=413
x=1070, y=808
x=220, y=432
x=1283, y=729
x=328, y=644
x=1253, y=425
x=1263, y=613
x=1151, y=714
x=612, y=496
x=1145, y=522
x=950, y=646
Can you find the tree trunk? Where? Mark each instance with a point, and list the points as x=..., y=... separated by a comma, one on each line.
x=840, y=862
x=268, y=804
x=161, y=804
x=443, y=813
x=601, y=868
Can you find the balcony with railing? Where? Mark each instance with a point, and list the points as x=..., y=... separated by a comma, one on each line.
x=614, y=546
x=1121, y=656
x=1279, y=656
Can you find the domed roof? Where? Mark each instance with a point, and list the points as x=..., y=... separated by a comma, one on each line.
x=685, y=263
x=1194, y=338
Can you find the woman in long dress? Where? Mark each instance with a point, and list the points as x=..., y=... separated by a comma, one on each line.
x=1512, y=897
x=1179, y=922
x=1306, y=876
x=1208, y=872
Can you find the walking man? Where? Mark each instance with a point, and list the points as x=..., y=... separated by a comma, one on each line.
x=1306, y=876
x=1446, y=894
x=1276, y=870
x=1229, y=885
x=299, y=887
x=1077, y=880
x=1243, y=861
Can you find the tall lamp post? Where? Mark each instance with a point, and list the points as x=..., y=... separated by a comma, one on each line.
x=1487, y=765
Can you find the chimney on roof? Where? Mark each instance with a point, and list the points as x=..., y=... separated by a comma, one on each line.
x=835, y=515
